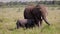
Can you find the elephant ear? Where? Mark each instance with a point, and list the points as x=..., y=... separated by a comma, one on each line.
x=43, y=10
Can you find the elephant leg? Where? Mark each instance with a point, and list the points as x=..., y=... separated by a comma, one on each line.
x=38, y=23
x=17, y=25
x=41, y=22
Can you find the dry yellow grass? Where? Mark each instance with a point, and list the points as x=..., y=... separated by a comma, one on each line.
x=8, y=17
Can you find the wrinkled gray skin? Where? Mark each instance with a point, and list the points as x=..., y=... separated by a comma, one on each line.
x=38, y=13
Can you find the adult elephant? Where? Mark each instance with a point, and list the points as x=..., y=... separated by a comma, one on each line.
x=37, y=12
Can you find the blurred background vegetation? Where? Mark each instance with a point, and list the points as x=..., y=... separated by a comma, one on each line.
x=20, y=3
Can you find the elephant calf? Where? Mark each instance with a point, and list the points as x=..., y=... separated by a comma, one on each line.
x=25, y=23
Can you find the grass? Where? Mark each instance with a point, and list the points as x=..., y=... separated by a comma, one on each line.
x=8, y=17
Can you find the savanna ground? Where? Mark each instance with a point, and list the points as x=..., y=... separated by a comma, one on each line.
x=8, y=17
